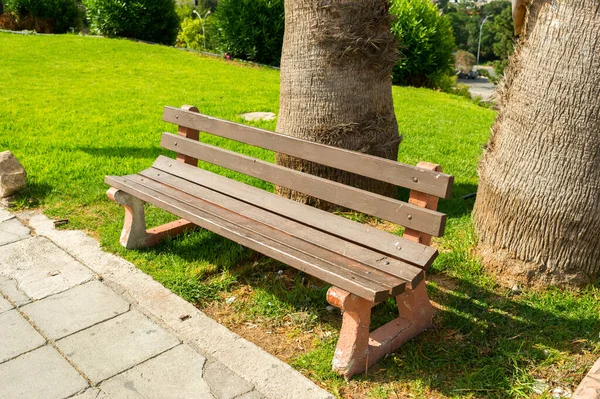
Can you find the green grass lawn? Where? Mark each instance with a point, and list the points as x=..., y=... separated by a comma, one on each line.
x=74, y=109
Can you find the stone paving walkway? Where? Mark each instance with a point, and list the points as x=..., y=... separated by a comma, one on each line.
x=79, y=323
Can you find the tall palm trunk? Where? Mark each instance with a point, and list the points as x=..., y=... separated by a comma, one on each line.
x=537, y=212
x=336, y=84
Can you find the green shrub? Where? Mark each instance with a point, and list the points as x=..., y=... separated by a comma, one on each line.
x=150, y=20
x=46, y=16
x=190, y=34
x=426, y=41
x=250, y=29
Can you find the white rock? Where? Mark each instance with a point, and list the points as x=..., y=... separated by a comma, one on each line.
x=258, y=116
x=230, y=300
x=12, y=174
x=540, y=386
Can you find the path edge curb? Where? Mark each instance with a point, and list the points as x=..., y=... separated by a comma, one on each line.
x=271, y=376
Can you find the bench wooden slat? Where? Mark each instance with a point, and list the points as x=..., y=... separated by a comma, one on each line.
x=237, y=228
x=408, y=215
x=409, y=273
x=394, y=284
x=426, y=181
x=364, y=235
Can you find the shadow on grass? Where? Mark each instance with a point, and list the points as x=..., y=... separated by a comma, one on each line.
x=455, y=206
x=33, y=195
x=487, y=344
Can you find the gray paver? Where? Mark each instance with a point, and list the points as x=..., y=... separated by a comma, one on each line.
x=91, y=393
x=224, y=384
x=5, y=215
x=17, y=336
x=115, y=345
x=4, y=305
x=41, y=374
x=8, y=286
x=73, y=310
x=251, y=395
x=174, y=374
x=12, y=230
x=41, y=268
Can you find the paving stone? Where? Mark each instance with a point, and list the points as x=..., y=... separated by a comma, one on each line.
x=174, y=374
x=258, y=116
x=41, y=374
x=12, y=231
x=8, y=286
x=5, y=215
x=251, y=395
x=115, y=345
x=224, y=384
x=40, y=268
x=73, y=310
x=91, y=393
x=4, y=305
x=17, y=336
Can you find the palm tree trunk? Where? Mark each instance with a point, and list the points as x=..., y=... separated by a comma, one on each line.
x=336, y=84
x=537, y=212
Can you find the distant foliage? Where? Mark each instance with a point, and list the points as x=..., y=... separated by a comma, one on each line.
x=426, y=43
x=250, y=29
x=150, y=20
x=497, y=34
x=44, y=16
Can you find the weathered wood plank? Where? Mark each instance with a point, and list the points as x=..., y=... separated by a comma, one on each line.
x=415, y=178
x=364, y=235
x=408, y=215
x=239, y=231
x=349, y=266
x=410, y=273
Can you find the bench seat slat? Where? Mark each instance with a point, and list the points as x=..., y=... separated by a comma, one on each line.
x=414, y=178
x=405, y=214
x=410, y=273
x=366, y=236
x=243, y=231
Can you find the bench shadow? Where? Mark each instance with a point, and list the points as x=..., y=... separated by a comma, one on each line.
x=483, y=342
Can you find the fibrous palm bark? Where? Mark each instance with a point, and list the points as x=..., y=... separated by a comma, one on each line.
x=336, y=84
x=537, y=212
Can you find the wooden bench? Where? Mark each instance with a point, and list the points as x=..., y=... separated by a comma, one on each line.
x=364, y=265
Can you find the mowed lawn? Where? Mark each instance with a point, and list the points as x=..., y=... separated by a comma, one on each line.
x=74, y=109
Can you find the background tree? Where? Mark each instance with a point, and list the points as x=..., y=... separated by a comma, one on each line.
x=336, y=85
x=426, y=41
x=538, y=205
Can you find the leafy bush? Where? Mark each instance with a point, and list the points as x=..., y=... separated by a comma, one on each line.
x=251, y=29
x=426, y=42
x=45, y=16
x=151, y=20
x=190, y=34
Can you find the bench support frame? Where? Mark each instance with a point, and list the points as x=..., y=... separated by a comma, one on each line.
x=357, y=349
x=134, y=234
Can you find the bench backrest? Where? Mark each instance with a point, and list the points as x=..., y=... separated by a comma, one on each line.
x=411, y=216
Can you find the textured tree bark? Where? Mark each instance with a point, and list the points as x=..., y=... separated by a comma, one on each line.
x=537, y=212
x=336, y=86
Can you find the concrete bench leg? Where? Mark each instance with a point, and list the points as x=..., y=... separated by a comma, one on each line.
x=134, y=234
x=357, y=349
